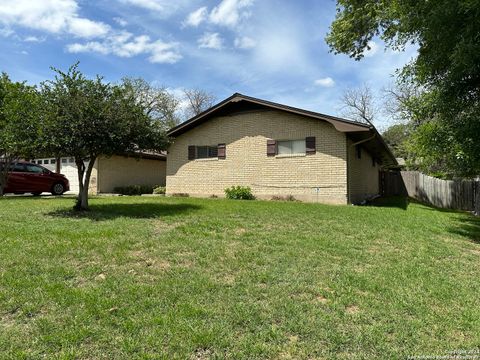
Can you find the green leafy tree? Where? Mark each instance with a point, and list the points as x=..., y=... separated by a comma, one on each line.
x=396, y=137
x=19, y=115
x=447, y=69
x=86, y=118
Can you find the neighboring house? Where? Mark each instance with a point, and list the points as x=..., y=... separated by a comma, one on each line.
x=110, y=172
x=277, y=150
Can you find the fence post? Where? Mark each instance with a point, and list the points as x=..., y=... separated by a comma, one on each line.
x=476, y=196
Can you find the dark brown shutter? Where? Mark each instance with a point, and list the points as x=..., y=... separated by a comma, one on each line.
x=191, y=152
x=271, y=148
x=222, y=151
x=310, y=146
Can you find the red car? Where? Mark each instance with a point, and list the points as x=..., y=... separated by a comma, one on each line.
x=25, y=177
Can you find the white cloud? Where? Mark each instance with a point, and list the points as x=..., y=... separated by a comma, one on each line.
x=6, y=32
x=120, y=21
x=325, y=82
x=230, y=12
x=155, y=5
x=245, y=42
x=87, y=28
x=33, y=39
x=197, y=17
x=54, y=16
x=124, y=44
x=373, y=49
x=210, y=41
x=162, y=8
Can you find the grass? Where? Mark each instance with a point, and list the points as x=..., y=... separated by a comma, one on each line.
x=166, y=278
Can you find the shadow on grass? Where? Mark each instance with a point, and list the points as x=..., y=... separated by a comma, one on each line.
x=400, y=202
x=468, y=226
x=100, y=212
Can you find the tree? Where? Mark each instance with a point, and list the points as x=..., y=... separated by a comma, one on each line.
x=157, y=102
x=197, y=101
x=86, y=118
x=447, y=67
x=19, y=111
x=403, y=101
x=396, y=137
x=359, y=104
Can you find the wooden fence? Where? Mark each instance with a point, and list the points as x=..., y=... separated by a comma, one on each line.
x=449, y=194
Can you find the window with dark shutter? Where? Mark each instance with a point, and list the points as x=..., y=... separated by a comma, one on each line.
x=271, y=148
x=310, y=145
x=221, y=151
x=191, y=152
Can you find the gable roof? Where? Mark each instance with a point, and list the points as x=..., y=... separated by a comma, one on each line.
x=340, y=124
x=358, y=132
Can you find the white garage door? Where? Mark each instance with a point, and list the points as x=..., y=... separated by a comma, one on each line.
x=67, y=168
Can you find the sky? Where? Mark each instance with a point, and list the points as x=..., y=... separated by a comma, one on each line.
x=271, y=49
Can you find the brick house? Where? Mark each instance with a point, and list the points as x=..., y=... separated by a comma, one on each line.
x=277, y=150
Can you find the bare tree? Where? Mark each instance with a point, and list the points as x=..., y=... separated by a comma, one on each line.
x=197, y=101
x=359, y=104
x=401, y=102
x=158, y=102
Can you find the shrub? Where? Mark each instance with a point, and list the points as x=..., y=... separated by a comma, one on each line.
x=159, y=190
x=180, y=195
x=239, y=193
x=133, y=189
x=284, y=198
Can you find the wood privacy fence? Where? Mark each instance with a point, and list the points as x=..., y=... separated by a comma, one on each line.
x=449, y=194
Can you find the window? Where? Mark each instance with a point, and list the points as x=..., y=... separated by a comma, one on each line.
x=359, y=151
x=53, y=161
x=46, y=161
x=34, y=169
x=71, y=160
x=64, y=160
x=289, y=147
x=39, y=162
x=204, y=152
x=17, y=168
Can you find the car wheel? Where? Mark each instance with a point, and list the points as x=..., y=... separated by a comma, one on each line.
x=36, y=193
x=58, y=189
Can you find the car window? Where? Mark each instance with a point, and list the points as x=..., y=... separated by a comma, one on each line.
x=17, y=168
x=34, y=169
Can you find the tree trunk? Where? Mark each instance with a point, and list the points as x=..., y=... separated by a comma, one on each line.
x=4, y=172
x=58, y=165
x=84, y=182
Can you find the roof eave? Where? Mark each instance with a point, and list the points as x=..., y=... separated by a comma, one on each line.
x=342, y=125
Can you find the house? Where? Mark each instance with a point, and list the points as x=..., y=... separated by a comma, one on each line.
x=277, y=150
x=110, y=172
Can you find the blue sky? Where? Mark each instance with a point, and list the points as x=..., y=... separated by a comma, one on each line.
x=272, y=49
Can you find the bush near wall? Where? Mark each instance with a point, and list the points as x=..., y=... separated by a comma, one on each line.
x=159, y=190
x=133, y=189
x=239, y=193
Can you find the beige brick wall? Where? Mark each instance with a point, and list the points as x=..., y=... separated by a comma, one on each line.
x=122, y=171
x=363, y=177
x=247, y=163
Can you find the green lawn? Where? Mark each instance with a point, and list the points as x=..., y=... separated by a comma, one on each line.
x=151, y=277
